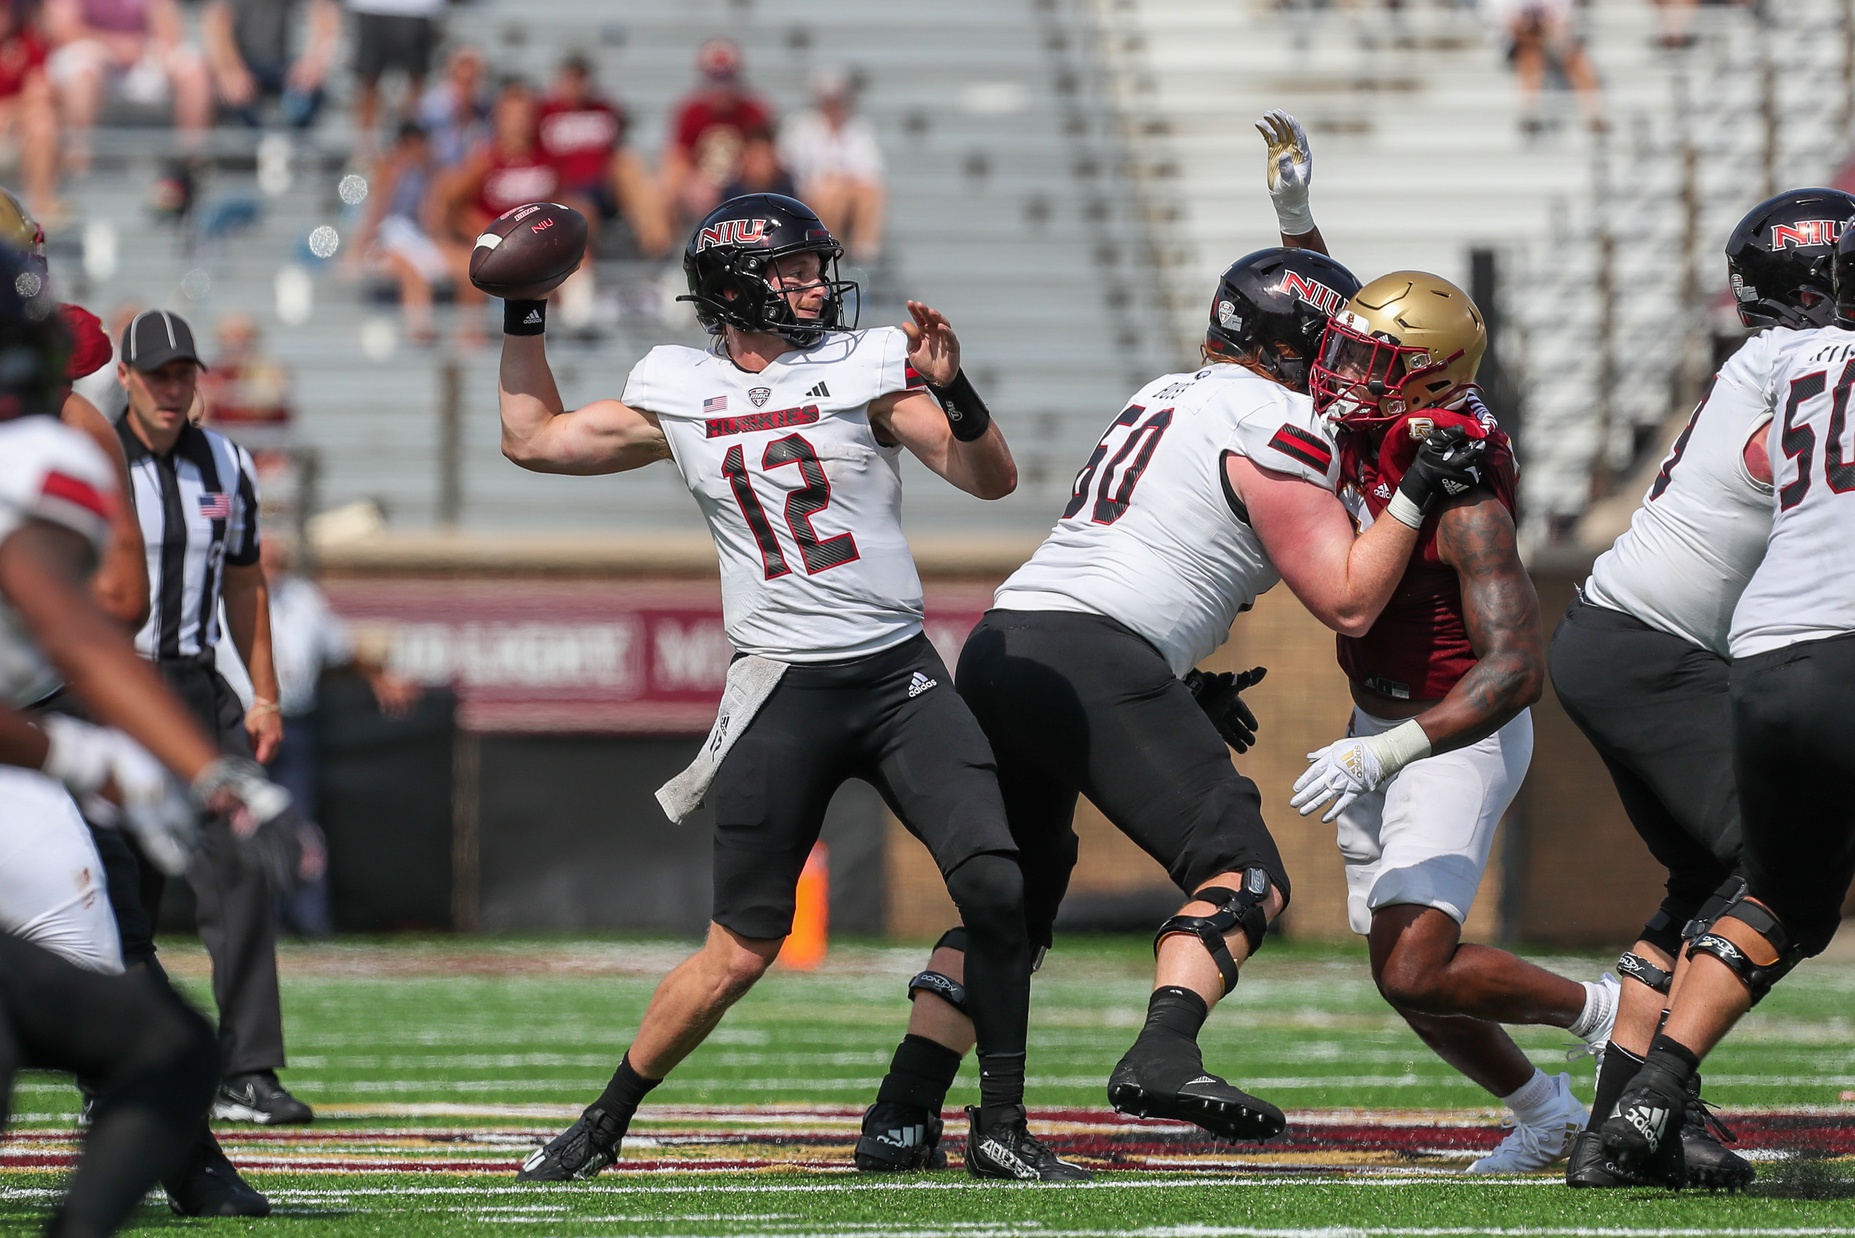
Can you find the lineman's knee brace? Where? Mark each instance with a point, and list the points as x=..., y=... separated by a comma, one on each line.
x=1238, y=909
x=1756, y=978
x=939, y=984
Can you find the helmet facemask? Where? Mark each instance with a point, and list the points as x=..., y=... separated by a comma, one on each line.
x=1360, y=379
x=741, y=294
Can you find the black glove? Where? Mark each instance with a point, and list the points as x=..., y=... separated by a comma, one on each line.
x=1220, y=697
x=1449, y=463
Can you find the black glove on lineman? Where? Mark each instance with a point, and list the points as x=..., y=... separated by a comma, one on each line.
x=1449, y=463
x=1220, y=697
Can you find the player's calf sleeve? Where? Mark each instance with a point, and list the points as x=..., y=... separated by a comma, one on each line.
x=624, y=1093
x=1175, y=1011
x=989, y=891
x=1620, y=1067
x=919, y=1074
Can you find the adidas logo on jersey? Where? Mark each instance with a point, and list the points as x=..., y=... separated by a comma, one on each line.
x=820, y=392
x=919, y=684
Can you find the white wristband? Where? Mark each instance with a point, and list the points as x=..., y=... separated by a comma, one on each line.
x=1399, y=746
x=1294, y=220
x=1404, y=511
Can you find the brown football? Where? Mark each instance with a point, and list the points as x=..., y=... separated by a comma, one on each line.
x=529, y=251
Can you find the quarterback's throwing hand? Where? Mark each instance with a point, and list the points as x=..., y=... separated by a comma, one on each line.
x=1341, y=772
x=933, y=349
x=1220, y=696
x=1291, y=170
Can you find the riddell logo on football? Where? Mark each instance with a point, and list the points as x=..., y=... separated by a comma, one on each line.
x=1806, y=232
x=732, y=232
x=1315, y=293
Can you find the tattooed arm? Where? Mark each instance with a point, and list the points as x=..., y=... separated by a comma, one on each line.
x=1476, y=537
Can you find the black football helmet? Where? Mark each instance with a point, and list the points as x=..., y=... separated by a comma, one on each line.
x=34, y=345
x=1779, y=258
x=1273, y=305
x=726, y=263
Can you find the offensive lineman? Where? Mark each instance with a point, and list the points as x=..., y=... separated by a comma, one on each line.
x=788, y=431
x=1440, y=736
x=1793, y=654
x=1640, y=659
x=1207, y=489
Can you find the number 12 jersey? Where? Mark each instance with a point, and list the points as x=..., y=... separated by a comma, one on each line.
x=803, y=502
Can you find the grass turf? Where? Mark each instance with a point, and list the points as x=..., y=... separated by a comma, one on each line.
x=490, y=1047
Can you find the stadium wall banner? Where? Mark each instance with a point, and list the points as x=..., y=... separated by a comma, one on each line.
x=590, y=656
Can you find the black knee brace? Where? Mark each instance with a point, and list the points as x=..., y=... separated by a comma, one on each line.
x=1757, y=980
x=1235, y=909
x=1638, y=968
x=1665, y=927
x=940, y=984
x=1730, y=891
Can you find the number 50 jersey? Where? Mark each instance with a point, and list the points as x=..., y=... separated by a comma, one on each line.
x=1152, y=537
x=803, y=502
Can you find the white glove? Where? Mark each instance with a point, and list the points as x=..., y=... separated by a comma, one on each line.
x=147, y=803
x=255, y=804
x=1291, y=170
x=1345, y=770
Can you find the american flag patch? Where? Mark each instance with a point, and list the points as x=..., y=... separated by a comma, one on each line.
x=715, y=404
x=216, y=505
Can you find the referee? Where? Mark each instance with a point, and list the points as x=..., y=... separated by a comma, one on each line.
x=195, y=498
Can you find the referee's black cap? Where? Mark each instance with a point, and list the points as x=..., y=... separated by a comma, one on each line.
x=156, y=337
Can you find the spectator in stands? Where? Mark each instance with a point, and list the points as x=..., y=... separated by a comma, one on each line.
x=504, y=172
x=757, y=169
x=248, y=50
x=392, y=235
x=1673, y=18
x=246, y=394
x=455, y=112
x=1539, y=33
x=583, y=135
x=28, y=111
x=133, y=49
x=706, y=137
x=835, y=158
x=391, y=36
x=307, y=639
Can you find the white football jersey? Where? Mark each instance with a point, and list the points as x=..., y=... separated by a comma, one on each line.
x=1701, y=530
x=1804, y=589
x=1151, y=536
x=48, y=472
x=803, y=502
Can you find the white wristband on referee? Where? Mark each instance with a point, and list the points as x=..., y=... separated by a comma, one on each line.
x=1402, y=510
x=1399, y=746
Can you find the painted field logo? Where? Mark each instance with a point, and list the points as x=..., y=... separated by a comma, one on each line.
x=732, y=232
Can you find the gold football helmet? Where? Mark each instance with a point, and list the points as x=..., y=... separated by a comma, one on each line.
x=20, y=231
x=1406, y=341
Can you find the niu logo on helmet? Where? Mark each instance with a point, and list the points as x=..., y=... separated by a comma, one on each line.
x=1315, y=293
x=1806, y=232
x=732, y=232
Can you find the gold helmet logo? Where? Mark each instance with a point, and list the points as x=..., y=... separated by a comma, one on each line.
x=18, y=229
x=1406, y=341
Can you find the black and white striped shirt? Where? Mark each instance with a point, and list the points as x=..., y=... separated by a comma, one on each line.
x=198, y=508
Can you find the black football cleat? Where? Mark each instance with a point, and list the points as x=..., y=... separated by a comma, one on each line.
x=1711, y=1165
x=1590, y=1166
x=578, y=1153
x=258, y=1097
x=208, y=1185
x=898, y=1137
x=1151, y=1085
x=1002, y=1146
x=1643, y=1135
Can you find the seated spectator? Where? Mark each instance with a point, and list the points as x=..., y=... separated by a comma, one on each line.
x=28, y=112
x=390, y=36
x=455, y=112
x=707, y=134
x=133, y=49
x=248, y=50
x=834, y=156
x=1539, y=33
x=392, y=233
x=757, y=169
x=501, y=174
x=583, y=135
x=246, y=395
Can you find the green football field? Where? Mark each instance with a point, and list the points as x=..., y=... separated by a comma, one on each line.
x=435, y=1065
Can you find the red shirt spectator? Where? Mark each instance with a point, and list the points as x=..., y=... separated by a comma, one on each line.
x=579, y=132
x=710, y=128
x=22, y=54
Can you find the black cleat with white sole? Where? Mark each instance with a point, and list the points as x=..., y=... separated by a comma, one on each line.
x=1149, y=1085
x=1643, y=1135
x=898, y=1137
x=257, y=1096
x=576, y=1154
x=1000, y=1145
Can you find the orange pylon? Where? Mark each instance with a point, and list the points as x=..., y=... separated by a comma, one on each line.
x=811, y=914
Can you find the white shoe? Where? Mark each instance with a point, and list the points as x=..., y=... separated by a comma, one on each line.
x=1533, y=1146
